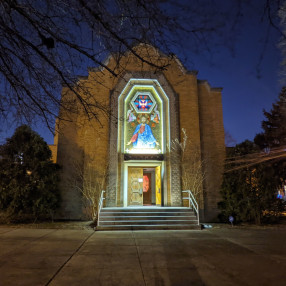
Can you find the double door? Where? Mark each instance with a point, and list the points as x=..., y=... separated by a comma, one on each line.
x=137, y=185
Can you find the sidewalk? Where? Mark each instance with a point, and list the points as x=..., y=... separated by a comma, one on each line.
x=219, y=256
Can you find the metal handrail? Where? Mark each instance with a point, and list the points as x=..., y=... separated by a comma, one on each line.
x=193, y=202
x=100, y=204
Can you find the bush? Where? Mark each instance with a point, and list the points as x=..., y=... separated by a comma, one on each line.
x=249, y=193
x=28, y=178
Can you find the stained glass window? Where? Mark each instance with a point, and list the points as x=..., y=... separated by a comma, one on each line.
x=143, y=102
x=143, y=122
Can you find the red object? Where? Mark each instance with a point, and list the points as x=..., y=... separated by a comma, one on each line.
x=142, y=129
x=145, y=183
x=134, y=137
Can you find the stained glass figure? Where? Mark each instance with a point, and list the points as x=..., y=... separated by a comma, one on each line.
x=155, y=115
x=130, y=114
x=143, y=136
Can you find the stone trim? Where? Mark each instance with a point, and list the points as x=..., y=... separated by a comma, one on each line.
x=116, y=156
x=150, y=157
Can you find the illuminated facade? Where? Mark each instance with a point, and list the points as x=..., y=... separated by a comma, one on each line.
x=130, y=151
x=142, y=139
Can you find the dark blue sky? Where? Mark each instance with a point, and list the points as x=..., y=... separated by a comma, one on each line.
x=246, y=89
x=250, y=77
x=246, y=92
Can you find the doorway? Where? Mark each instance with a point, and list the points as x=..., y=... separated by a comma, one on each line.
x=144, y=186
x=149, y=197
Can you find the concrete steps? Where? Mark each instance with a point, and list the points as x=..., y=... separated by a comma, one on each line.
x=132, y=218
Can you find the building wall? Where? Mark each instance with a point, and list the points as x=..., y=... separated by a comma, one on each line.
x=213, y=148
x=85, y=145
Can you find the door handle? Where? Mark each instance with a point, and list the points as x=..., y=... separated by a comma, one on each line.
x=140, y=192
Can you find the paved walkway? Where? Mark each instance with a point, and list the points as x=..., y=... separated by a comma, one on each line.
x=222, y=256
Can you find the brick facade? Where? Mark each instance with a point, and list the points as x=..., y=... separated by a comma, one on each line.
x=91, y=146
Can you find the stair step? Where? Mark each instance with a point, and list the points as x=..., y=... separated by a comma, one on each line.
x=146, y=213
x=147, y=218
x=151, y=222
x=145, y=209
x=148, y=227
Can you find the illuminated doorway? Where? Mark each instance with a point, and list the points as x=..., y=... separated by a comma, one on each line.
x=148, y=186
x=144, y=186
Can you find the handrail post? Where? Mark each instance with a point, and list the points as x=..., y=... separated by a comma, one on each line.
x=193, y=202
x=100, y=203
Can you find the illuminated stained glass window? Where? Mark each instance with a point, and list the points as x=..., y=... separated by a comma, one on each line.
x=143, y=124
x=143, y=102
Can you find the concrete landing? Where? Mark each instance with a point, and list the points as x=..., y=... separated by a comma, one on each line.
x=218, y=256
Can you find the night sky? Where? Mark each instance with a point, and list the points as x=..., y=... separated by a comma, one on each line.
x=250, y=83
x=246, y=91
x=250, y=77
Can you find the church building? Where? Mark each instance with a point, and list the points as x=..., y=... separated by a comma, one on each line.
x=132, y=143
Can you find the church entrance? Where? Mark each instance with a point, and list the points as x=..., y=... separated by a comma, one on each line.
x=144, y=186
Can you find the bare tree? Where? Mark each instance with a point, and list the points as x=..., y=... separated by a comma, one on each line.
x=228, y=139
x=90, y=182
x=44, y=44
x=192, y=172
x=282, y=43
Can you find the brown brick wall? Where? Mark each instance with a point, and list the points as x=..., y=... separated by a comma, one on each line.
x=87, y=141
x=213, y=148
x=54, y=150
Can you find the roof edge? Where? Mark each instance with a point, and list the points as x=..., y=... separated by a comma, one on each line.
x=205, y=82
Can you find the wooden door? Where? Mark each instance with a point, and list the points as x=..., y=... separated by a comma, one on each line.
x=135, y=186
x=158, y=186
